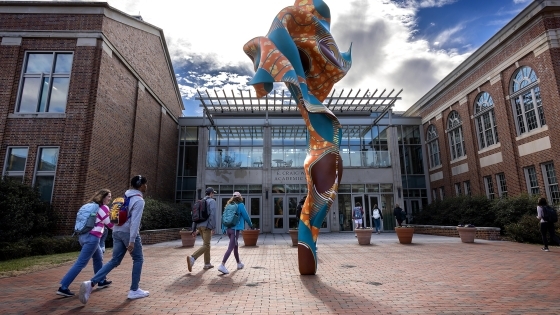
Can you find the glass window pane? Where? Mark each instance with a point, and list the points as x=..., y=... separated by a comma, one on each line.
x=39, y=63
x=387, y=187
x=45, y=185
x=255, y=189
x=59, y=95
x=63, y=63
x=344, y=188
x=241, y=189
x=49, y=158
x=29, y=95
x=16, y=159
x=44, y=95
x=189, y=135
x=226, y=189
x=372, y=188
x=278, y=189
x=358, y=188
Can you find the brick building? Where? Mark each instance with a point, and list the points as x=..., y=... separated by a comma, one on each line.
x=88, y=98
x=492, y=126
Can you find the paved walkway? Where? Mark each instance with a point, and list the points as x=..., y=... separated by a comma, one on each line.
x=434, y=275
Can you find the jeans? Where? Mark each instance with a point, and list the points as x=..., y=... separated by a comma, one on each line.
x=205, y=249
x=90, y=249
x=377, y=224
x=120, y=243
x=233, y=246
x=547, y=227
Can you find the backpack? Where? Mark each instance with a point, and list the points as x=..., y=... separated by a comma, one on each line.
x=550, y=214
x=376, y=214
x=200, y=211
x=357, y=213
x=85, y=219
x=230, y=217
x=119, y=213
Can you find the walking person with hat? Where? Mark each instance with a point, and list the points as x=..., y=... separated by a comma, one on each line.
x=206, y=230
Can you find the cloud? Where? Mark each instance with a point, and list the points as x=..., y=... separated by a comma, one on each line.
x=521, y=1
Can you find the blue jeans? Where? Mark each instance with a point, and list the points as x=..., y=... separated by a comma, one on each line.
x=90, y=249
x=120, y=243
x=377, y=224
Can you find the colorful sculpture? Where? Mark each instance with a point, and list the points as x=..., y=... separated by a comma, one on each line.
x=300, y=51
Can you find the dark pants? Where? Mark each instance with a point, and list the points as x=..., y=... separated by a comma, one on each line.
x=547, y=227
x=233, y=246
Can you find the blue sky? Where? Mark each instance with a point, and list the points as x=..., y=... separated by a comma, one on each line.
x=396, y=44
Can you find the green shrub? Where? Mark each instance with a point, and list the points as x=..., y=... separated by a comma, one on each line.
x=457, y=210
x=23, y=213
x=38, y=246
x=165, y=215
x=511, y=210
x=526, y=230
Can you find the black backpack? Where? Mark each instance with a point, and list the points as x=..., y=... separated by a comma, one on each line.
x=550, y=214
x=200, y=211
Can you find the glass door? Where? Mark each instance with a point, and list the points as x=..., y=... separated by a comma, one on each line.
x=253, y=205
x=291, y=213
x=412, y=207
x=355, y=200
x=278, y=214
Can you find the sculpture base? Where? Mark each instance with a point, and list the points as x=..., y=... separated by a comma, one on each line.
x=306, y=260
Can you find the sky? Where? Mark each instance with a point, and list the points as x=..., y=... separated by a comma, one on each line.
x=396, y=44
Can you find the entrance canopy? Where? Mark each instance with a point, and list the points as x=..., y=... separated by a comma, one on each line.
x=245, y=103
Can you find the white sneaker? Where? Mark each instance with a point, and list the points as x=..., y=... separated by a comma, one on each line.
x=138, y=294
x=85, y=291
x=190, y=262
x=223, y=269
x=240, y=265
x=208, y=266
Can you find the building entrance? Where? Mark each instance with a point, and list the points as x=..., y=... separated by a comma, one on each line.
x=284, y=213
x=253, y=205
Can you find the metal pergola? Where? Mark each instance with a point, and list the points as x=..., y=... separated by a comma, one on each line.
x=244, y=102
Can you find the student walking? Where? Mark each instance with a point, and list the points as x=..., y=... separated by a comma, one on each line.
x=357, y=215
x=377, y=217
x=90, y=245
x=399, y=214
x=206, y=229
x=125, y=238
x=546, y=227
x=233, y=233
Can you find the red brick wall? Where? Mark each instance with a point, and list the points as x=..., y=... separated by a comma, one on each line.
x=546, y=66
x=158, y=236
x=139, y=48
x=112, y=130
x=491, y=234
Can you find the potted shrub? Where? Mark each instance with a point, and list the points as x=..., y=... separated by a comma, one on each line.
x=364, y=235
x=467, y=233
x=294, y=236
x=405, y=233
x=250, y=237
x=186, y=237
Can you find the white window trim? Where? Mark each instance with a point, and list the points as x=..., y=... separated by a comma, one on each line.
x=545, y=180
x=499, y=184
x=531, y=87
x=487, y=186
x=45, y=173
x=466, y=187
x=441, y=195
x=17, y=173
x=528, y=179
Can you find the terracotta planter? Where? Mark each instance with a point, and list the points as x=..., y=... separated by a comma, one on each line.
x=186, y=238
x=404, y=234
x=294, y=236
x=467, y=234
x=250, y=237
x=364, y=236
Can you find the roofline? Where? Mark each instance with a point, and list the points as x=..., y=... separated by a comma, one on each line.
x=524, y=17
x=106, y=6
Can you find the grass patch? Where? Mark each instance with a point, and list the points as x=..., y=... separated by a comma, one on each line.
x=14, y=267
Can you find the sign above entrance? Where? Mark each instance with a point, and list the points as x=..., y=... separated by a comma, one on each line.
x=289, y=177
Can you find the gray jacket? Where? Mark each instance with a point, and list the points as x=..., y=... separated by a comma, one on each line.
x=135, y=208
x=211, y=222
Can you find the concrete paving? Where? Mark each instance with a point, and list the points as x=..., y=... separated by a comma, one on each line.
x=433, y=275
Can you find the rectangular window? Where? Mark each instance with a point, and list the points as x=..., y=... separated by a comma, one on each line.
x=489, y=186
x=531, y=179
x=502, y=186
x=458, y=189
x=434, y=194
x=44, y=82
x=467, y=186
x=16, y=159
x=45, y=171
x=552, y=190
x=441, y=193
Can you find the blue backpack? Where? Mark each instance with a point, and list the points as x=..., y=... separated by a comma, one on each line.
x=85, y=220
x=230, y=217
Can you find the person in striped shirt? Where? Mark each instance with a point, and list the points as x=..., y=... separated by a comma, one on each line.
x=90, y=245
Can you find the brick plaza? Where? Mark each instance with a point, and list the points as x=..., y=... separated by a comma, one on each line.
x=434, y=275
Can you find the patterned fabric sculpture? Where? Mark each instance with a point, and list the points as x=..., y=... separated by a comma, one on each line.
x=300, y=51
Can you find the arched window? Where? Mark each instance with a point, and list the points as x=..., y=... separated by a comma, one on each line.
x=526, y=101
x=433, y=146
x=485, y=120
x=455, y=133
